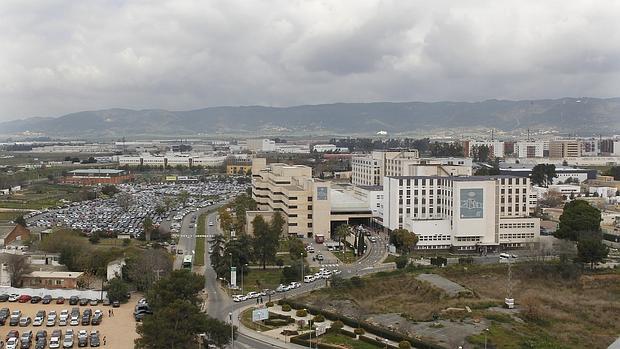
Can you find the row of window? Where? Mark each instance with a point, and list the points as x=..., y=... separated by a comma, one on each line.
x=517, y=236
x=468, y=238
x=516, y=225
x=434, y=237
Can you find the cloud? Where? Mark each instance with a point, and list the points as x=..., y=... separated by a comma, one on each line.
x=60, y=56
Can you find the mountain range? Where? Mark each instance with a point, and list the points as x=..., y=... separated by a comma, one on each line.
x=576, y=115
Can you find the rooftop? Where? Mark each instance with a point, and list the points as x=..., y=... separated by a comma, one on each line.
x=56, y=274
x=97, y=171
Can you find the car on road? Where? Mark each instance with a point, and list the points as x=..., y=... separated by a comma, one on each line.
x=282, y=288
x=294, y=284
x=239, y=298
x=210, y=224
x=319, y=257
x=309, y=278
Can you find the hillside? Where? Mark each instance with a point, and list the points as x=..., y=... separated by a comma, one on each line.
x=586, y=115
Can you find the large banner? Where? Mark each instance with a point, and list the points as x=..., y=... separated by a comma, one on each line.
x=260, y=314
x=472, y=203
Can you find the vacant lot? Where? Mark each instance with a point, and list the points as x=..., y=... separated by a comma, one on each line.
x=557, y=306
x=40, y=196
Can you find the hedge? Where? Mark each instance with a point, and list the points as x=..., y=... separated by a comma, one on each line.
x=376, y=342
x=303, y=340
x=347, y=333
x=375, y=330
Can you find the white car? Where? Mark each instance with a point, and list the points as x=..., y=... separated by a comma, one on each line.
x=294, y=284
x=13, y=297
x=252, y=294
x=75, y=320
x=210, y=224
x=54, y=342
x=12, y=343
x=282, y=288
x=38, y=321
x=309, y=278
x=51, y=319
x=239, y=298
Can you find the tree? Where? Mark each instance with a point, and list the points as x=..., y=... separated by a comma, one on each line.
x=17, y=266
x=217, y=332
x=592, y=250
x=341, y=232
x=226, y=221
x=551, y=198
x=578, y=217
x=296, y=248
x=361, y=243
x=615, y=172
x=183, y=197
x=543, y=174
x=109, y=190
x=481, y=153
x=144, y=269
x=401, y=261
x=117, y=290
x=277, y=224
x=124, y=200
x=21, y=221
x=403, y=240
x=147, y=225
x=265, y=242
x=180, y=285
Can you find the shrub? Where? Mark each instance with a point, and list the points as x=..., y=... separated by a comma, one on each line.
x=404, y=345
x=401, y=261
x=318, y=318
x=269, y=304
x=337, y=324
x=347, y=333
x=359, y=331
x=301, y=313
x=286, y=307
x=126, y=242
x=356, y=281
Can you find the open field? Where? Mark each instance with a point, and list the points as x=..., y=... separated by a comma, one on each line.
x=7, y=216
x=557, y=307
x=258, y=279
x=41, y=195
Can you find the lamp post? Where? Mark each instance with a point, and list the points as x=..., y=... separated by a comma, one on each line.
x=486, y=330
x=232, y=330
x=302, y=266
x=242, y=272
x=230, y=283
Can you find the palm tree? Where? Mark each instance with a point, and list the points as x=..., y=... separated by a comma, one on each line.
x=341, y=232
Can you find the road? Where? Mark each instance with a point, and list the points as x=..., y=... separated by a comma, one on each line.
x=220, y=305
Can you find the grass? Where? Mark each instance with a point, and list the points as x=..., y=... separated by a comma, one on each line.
x=578, y=311
x=10, y=216
x=40, y=196
x=347, y=257
x=258, y=279
x=339, y=339
x=246, y=320
x=199, y=258
x=390, y=259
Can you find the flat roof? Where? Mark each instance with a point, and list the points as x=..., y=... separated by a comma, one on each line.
x=55, y=274
x=5, y=229
x=457, y=178
x=97, y=171
x=342, y=201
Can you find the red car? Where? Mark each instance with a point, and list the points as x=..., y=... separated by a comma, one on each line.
x=24, y=298
x=60, y=300
x=12, y=333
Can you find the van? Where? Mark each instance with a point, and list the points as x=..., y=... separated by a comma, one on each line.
x=308, y=278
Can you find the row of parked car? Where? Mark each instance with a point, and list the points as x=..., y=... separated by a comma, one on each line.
x=56, y=339
x=47, y=299
x=323, y=273
x=87, y=317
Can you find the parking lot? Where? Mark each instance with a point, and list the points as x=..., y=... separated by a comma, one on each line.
x=160, y=202
x=118, y=330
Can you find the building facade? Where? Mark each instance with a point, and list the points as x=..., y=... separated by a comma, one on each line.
x=462, y=213
x=96, y=176
x=529, y=149
x=559, y=149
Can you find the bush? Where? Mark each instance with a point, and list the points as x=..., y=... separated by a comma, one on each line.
x=301, y=313
x=359, y=331
x=126, y=242
x=401, y=261
x=347, y=333
x=356, y=281
x=286, y=307
x=337, y=324
x=94, y=239
x=404, y=345
x=269, y=304
x=318, y=318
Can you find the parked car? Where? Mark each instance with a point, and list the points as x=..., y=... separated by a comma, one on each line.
x=94, y=338
x=238, y=298
x=4, y=314
x=13, y=297
x=39, y=318
x=25, y=321
x=116, y=304
x=82, y=338
x=35, y=299
x=86, y=315
x=94, y=302
x=74, y=300
x=97, y=317
x=60, y=300
x=41, y=334
x=12, y=343
x=106, y=302
x=54, y=342
x=41, y=343
x=51, y=318
x=15, y=316
x=84, y=301
x=47, y=299
x=12, y=334
x=24, y=298
x=4, y=297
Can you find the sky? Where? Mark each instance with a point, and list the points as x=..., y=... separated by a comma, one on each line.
x=62, y=56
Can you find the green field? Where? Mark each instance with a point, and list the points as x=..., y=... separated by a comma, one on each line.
x=40, y=196
x=258, y=279
x=9, y=216
x=348, y=342
x=347, y=257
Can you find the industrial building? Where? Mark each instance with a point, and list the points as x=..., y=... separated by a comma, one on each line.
x=96, y=176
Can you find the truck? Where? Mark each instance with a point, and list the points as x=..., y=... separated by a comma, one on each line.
x=319, y=238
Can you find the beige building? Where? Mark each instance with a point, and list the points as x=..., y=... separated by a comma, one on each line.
x=564, y=149
x=309, y=205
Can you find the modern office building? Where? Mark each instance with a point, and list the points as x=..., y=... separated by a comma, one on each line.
x=96, y=176
x=462, y=213
x=173, y=159
x=569, y=148
x=529, y=149
x=309, y=205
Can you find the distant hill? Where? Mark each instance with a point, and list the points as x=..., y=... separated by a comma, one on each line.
x=566, y=114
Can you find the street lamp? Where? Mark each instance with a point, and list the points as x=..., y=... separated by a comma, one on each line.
x=302, y=266
x=486, y=330
x=232, y=330
x=242, y=272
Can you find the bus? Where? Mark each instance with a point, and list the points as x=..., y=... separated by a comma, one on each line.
x=187, y=262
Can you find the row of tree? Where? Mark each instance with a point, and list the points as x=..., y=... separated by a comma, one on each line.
x=177, y=321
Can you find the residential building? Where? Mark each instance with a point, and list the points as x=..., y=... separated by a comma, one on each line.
x=12, y=232
x=261, y=145
x=563, y=173
x=567, y=148
x=462, y=213
x=496, y=147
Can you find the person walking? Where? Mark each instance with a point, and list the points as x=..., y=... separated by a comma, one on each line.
x=104, y=340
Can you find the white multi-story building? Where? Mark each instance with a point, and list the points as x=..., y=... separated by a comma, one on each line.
x=324, y=148
x=462, y=213
x=369, y=170
x=530, y=149
x=172, y=159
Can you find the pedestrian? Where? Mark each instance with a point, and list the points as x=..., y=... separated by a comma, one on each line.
x=256, y=300
x=109, y=313
x=112, y=312
x=104, y=340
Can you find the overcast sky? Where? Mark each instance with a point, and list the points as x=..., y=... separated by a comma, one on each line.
x=59, y=56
